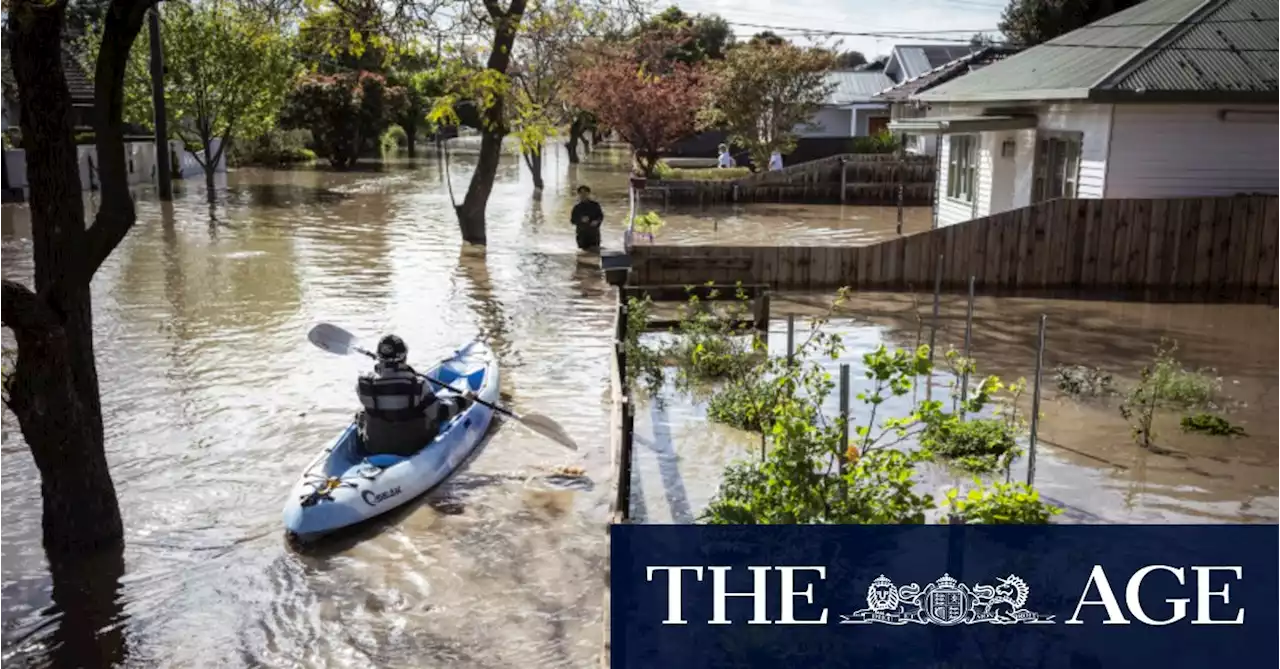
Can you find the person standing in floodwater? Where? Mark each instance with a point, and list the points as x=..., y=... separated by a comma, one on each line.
x=587, y=217
x=775, y=161
x=725, y=159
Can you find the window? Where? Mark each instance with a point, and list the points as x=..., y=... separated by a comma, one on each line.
x=962, y=167
x=1057, y=167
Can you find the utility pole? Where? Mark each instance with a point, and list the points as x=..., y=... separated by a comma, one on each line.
x=163, y=171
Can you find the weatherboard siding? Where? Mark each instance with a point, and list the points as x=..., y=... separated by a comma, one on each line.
x=1162, y=151
x=1093, y=122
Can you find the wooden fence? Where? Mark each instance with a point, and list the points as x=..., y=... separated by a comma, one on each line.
x=870, y=179
x=1219, y=248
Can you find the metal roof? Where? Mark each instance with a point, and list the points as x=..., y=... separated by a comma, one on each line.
x=853, y=87
x=970, y=62
x=1159, y=50
x=916, y=59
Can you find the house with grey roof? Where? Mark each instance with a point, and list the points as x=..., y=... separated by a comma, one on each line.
x=852, y=109
x=1166, y=99
x=909, y=61
x=900, y=96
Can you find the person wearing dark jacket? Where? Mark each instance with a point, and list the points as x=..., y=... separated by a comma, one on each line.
x=587, y=217
x=402, y=414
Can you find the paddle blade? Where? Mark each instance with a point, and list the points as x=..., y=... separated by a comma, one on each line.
x=333, y=339
x=547, y=428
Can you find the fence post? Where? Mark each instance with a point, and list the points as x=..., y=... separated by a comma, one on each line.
x=844, y=412
x=901, y=178
x=1035, y=405
x=968, y=342
x=791, y=338
x=844, y=179
x=937, y=304
x=761, y=314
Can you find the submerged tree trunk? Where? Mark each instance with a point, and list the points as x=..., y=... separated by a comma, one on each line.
x=53, y=390
x=493, y=119
x=576, y=131
x=410, y=138
x=533, y=159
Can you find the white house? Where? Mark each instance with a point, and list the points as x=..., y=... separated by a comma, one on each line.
x=1170, y=98
x=851, y=109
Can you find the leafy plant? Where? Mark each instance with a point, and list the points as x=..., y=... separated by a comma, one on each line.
x=1000, y=504
x=1207, y=423
x=884, y=142
x=393, y=138
x=1165, y=382
x=645, y=368
x=709, y=347
x=648, y=223
x=1083, y=381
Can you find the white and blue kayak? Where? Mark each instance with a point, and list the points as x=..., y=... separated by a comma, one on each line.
x=345, y=486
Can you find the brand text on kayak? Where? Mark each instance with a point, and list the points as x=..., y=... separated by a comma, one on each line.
x=371, y=498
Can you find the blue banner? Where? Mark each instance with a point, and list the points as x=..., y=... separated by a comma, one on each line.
x=1025, y=597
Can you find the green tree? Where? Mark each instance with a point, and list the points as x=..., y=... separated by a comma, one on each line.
x=695, y=37
x=762, y=91
x=344, y=112
x=1030, y=22
x=421, y=89
x=227, y=72
x=847, y=60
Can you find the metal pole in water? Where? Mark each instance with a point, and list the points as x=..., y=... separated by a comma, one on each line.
x=968, y=342
x=1035, y=406
x=937, y=304
x=791, y=338
x=844, y=411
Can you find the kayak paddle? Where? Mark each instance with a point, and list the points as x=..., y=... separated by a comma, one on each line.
x=334, y=339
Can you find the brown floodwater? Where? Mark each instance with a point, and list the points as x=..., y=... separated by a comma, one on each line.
x=1087, y=462
x=215, y=401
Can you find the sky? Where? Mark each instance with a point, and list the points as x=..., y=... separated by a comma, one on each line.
x=965, y=17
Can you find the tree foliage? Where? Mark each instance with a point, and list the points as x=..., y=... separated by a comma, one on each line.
x=227, y=71
x=1030, y=22
x=762, y=91
x=689, y=38
x=344, y=112
x=847, y=60
x=649, y=101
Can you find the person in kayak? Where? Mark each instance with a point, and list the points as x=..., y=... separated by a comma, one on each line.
x=402, y=414
x=587, y=216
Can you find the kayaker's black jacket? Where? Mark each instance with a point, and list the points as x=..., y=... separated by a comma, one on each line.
x=401, y=413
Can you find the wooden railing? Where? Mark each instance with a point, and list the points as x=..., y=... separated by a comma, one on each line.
x=1213, y=246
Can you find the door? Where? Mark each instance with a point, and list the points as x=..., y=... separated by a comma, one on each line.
x=877, y=125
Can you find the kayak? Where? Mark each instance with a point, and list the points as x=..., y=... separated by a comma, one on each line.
x=345, y=485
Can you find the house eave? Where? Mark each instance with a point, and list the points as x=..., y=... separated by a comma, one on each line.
x=962, y=124
x=1193, y=97
x=1047, y=95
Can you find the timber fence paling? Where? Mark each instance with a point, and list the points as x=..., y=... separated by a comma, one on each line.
x=1220, y=248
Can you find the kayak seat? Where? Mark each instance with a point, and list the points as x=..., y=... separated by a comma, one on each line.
x=384, y=460
x=475, y=379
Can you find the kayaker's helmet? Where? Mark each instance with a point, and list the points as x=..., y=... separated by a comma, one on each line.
x=392, y=349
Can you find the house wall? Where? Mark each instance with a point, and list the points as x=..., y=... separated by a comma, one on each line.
x=862, y=116
x=1160, y=151
x=828, y=122
x=1008, y=183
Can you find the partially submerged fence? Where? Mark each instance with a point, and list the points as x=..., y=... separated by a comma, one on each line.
x=865, y=179
x=1213, y=248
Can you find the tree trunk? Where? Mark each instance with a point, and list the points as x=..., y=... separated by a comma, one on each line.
x=493, y=119
x=576, y=131
x=410, y=138
x=533, y=159
x=53, y=390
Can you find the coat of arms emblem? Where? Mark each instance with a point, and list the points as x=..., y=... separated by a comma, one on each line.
x=946, y=602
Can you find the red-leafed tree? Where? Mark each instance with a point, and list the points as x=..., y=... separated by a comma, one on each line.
x=648, y=100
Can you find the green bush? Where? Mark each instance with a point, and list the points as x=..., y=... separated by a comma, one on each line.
x=1165, y=383
x=1001, y=504
x=884, y=142
x=273, y=148
x=393, y=139
x=1207, y=423
x=981, y=445
x=667, y=173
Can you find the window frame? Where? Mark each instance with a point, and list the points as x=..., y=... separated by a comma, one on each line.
x=962, y=167
x=1057, y=166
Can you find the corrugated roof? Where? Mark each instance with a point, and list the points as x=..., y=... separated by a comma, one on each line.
x=916, y=59
x=1229, y=46
x=970, y=62
x=851, y=87
x=1157, y=50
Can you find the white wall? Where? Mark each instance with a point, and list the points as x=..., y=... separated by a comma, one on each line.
x=1188, y=151
x=828, y=122
x=1094, y=122
x=997, y=177
x=950, y=211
